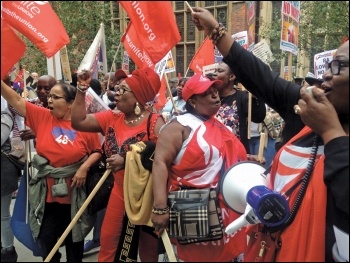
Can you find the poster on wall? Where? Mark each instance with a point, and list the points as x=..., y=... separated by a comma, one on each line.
x=290, y=26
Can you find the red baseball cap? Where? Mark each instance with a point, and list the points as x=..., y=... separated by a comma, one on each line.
x=197, y=85
x=120, y=74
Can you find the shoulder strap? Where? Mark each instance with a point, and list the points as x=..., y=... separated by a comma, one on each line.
x=148, y=125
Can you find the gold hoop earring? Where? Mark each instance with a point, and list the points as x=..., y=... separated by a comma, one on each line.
x=137, y=109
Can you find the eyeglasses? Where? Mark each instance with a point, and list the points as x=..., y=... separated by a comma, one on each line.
x=54, y=97
x=121, y=91
x=47, y=88
x=336, y=65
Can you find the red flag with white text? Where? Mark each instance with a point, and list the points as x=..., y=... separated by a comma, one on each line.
x=155, y=24
x=12, y=48
x=38, y=22
x=135, y=48
x=203, y=57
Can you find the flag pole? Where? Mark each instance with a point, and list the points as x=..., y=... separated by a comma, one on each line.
x=78, y=214
x=169, y=90
x=115, y=55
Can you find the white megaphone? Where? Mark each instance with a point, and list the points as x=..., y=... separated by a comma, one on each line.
x=244, y=189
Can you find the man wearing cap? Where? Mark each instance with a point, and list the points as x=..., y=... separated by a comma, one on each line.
x=298, y=80
x=200, y=146
x=121, y=129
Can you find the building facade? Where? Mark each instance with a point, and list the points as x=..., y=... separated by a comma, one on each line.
x=233, y=14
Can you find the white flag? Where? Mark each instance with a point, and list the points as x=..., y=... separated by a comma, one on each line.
x=95, y=58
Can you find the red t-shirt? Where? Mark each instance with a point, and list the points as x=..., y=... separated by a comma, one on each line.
x=59, y=143
x=119, y=136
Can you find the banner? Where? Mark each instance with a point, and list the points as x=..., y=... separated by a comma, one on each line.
x=135, y=48
x=67, y=75
x=155, y=24
x=95, y=58
x=263, y=52
x=290, y=26
x=12, y=48
x=125, y=65
x=251, y=24
x=241, y=38
x=20, y=219
x=54, y=66
x=320, y=61
x=38, y=22
x=203, y=57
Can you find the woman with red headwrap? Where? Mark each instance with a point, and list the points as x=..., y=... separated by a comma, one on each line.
x=122, y=128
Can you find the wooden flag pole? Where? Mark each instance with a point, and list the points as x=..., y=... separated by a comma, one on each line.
x=249, y=125
x=169, y=90
x=261, y=146
x=115, y=55
x=77, y=216
x=168, y=247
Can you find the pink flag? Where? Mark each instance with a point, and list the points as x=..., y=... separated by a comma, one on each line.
x=155, y=25
x=38, y=22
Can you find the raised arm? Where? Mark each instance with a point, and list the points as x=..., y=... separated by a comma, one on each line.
x=82, y=121
x=13, y=98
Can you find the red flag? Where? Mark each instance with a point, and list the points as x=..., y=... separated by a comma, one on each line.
x=161, y=99
x=135, y=49
x=12, y=48
x=203, y=57
x=38, y=22
x=155, y=25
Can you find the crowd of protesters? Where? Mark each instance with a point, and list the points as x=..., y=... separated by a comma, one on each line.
x=209, y=111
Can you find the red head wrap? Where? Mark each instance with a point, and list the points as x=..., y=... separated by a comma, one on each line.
x=144, y=83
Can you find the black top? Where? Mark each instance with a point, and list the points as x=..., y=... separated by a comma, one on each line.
x=282, y=95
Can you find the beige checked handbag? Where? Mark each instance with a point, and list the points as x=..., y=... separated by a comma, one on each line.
x=194, y=215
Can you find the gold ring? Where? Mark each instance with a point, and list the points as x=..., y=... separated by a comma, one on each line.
x=297, y=109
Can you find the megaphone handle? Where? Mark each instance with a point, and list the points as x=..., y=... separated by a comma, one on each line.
x=236, y=225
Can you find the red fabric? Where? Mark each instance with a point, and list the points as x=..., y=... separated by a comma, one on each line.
x=304, y=239
x=155, y=25
x=38, y=22
x=59, y=143
x=161, y=99
x=113, y=125
x=135, y=48
x=203, y=57
x=12, y=48
x=145, y=84
x=198, y=164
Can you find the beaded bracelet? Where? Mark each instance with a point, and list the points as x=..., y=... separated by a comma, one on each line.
x=81, y=90
x=221, y=33
x=160, y=211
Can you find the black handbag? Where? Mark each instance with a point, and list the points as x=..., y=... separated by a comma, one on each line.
x=100, y=200
x=195, y=216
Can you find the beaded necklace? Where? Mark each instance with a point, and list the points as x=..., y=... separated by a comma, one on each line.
x=135, y=120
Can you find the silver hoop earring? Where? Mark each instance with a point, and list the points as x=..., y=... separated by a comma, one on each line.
x=137, y=109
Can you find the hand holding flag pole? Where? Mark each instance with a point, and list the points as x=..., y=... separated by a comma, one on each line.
x=189, y=7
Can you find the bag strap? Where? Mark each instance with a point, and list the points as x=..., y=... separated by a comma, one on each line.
x=149, y=125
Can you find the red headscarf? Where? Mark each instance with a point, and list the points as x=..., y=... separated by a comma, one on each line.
x=144, y=83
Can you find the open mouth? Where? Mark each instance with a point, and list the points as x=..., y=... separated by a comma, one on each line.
x=50, y=107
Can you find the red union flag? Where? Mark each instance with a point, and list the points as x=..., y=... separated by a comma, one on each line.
x=38, y=22
x=12, y=48
x=155, y=25
x=135, y=49
x=203, y=57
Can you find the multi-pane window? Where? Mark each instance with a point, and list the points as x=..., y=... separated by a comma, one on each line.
x=186, y=48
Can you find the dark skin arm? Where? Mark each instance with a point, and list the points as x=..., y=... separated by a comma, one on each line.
x=166, y=152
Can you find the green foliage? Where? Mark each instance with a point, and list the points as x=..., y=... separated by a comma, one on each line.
x=81, y=20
